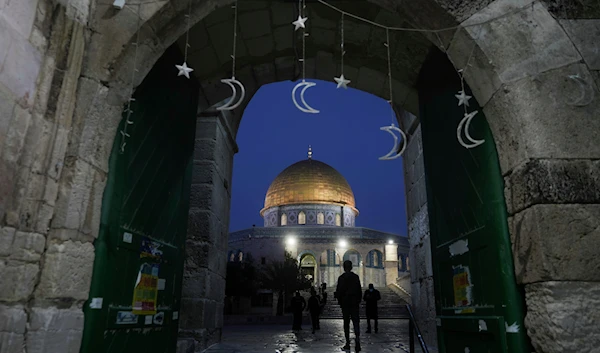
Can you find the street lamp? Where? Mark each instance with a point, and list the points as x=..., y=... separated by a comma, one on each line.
x=343, y=243
x=390, y=242
x=290, y=240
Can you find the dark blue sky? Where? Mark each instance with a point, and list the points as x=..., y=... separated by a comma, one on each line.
x=345, y=134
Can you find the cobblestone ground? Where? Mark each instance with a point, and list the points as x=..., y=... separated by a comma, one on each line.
x=392, y=338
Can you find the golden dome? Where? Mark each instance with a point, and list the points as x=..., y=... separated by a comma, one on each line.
x=309, y=182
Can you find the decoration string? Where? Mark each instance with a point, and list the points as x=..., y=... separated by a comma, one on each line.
x=342, y=44
x=408, y=29
x=123, y=132
x=389, y=58
x=235, y=17
x=301, y=10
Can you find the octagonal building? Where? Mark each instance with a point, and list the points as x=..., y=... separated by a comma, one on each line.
x=310, y=211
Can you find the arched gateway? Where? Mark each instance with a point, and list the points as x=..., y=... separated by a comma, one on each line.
x=68, y=68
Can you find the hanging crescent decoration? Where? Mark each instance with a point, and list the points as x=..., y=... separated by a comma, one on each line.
x=394, y=153
x=304, y=107
x=466, y=121
x=584, y=89
x=232, y=82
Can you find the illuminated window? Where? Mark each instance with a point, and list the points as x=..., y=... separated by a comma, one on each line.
x=320, y=218
x=301, y=218
x=232, y=257
x=241, y=256
x=338, y=220
x=407, y=264
x=283, y=219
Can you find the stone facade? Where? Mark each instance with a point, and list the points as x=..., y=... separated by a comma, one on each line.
x=65, y=73
x=329, y=215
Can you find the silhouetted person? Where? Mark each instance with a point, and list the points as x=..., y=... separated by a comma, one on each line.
x=349, y=294
x=371, y=297
x=298, y=304
x=314, y=307
x=324, y=293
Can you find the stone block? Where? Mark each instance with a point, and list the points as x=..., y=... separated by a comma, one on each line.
x=265, y=73
x=7, y=237
x=67, y=271
x=17, y=280
x=7, y=105
x=254, y=24
x=585, y=34
x=21, y=64
x=418, y=228
x=525, y=45
x=556, y=242
x=197, y=254
x=192, y=313
x=27, y=247
x=13, y=319
x=15, y=136
x=196, y=282
x=55, y=330
x=423, y=306
x=95, y=133
x=420, y=261
x=563, y=316
x=204, y=226
x=554, y=181
x=541, y=110
x=322, y=38
x=80, y=198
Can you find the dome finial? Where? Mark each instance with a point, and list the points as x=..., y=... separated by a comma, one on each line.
x=309, y=152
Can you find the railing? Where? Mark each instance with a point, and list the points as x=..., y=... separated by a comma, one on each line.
x=412, y=328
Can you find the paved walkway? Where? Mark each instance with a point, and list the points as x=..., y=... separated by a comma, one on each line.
x=392, y=338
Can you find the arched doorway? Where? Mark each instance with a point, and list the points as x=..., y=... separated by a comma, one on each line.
x=374, y=269
x=308, y=267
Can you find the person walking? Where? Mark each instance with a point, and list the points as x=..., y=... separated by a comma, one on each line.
x=371, y=297
x=298, y=304
x=314, y=308
x=349, y=294
x=324, y=293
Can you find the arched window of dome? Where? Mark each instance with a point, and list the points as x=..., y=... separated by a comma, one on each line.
x=241, y=256
x=301, y=217
x=320, y=218
x=338, y=220
x=407, y=264
x=231, y=256
x=284, y=219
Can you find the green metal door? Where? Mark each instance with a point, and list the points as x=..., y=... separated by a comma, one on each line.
x=136, y=286
x=478, y=303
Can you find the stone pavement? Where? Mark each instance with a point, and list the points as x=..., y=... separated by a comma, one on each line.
x=392, y=338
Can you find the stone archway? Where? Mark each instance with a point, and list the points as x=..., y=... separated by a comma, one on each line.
x=56, y=154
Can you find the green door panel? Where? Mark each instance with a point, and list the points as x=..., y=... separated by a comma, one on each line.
x=140, y=246
x=470, y=242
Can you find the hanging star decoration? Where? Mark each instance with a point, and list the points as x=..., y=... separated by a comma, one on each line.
x=342, y=81
x=184, y=70
x=462, y=98
x=299, y=23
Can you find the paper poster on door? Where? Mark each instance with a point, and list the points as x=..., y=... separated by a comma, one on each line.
x=150, y=248
x=146, y=290
x=462, y=286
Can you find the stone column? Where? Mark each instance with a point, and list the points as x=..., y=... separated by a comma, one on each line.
x=540, y=97
x=201, y=318
x=391, y=263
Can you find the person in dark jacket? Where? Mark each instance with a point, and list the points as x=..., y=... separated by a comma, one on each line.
x=371, y=297
x=324, y=293
x=314, y=307
x=298, y=304
x=349, y=294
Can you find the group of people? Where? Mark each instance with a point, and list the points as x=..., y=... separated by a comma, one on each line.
x=349, y=294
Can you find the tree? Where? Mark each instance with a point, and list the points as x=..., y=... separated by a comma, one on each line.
x=242, y=278
x=284, y=278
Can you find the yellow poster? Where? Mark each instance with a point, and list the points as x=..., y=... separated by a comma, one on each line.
x=146, y=290
x=462, y=287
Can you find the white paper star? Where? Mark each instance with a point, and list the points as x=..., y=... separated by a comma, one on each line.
x=462, y=98
x=299, y=23
x=184, y=70
x=341, y=81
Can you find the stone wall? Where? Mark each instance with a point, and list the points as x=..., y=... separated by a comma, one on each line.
x=421, y=271
x=205, y=267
